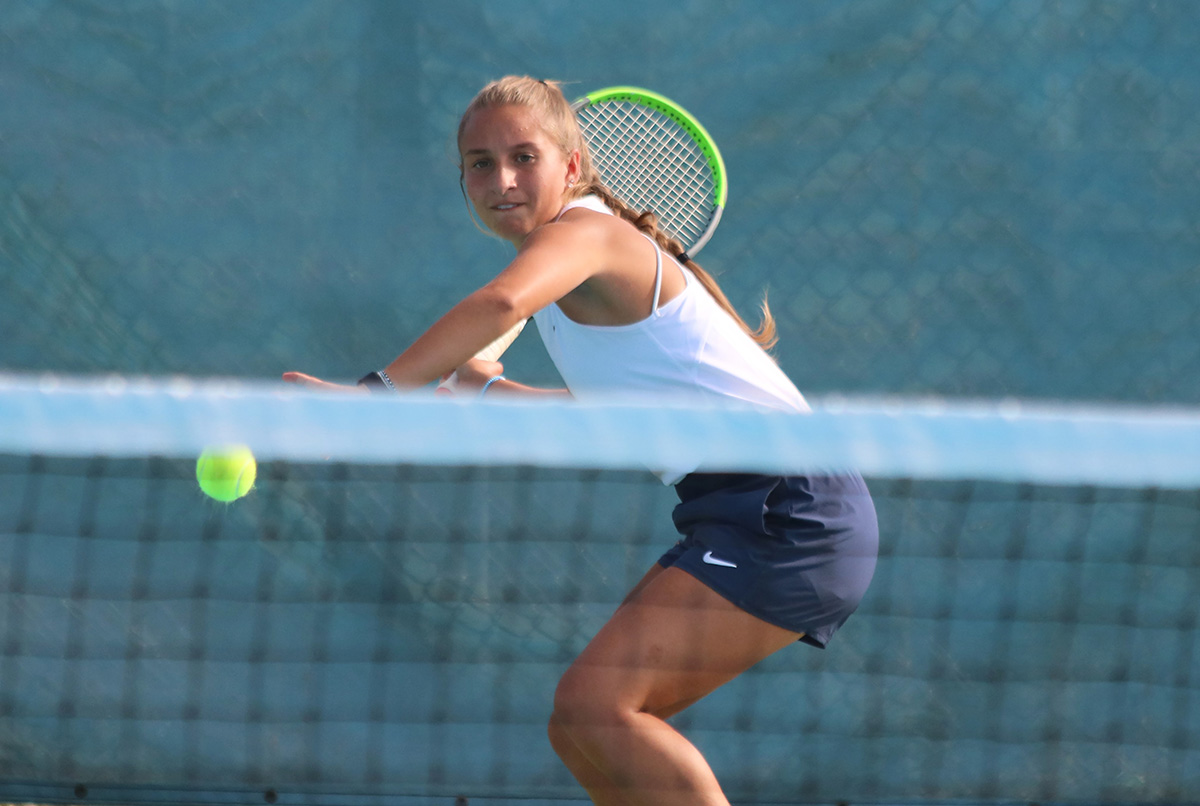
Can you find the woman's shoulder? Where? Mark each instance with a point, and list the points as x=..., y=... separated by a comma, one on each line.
x=580, y=227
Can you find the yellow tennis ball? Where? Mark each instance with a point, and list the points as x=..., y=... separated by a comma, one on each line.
x=226, y=473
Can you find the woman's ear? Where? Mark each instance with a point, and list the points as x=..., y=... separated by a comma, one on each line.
x=573, y=169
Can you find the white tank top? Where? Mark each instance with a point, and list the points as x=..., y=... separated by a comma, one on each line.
x=688, y=350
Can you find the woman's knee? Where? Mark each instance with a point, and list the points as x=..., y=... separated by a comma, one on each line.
x=560, y=740
x=570, y=721
x=581, y=699
x=571, y=700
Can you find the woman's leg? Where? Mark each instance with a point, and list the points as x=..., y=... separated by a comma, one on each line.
x=595, y=783
x=672, y=642
x=598, y=785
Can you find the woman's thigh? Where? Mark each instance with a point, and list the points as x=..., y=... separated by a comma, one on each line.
x=672, y=642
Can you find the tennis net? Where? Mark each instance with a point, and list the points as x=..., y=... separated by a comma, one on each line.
x=384, y=617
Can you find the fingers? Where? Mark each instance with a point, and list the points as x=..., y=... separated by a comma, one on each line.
x=470, y=377
x=479, y=371
x=301, y=379
x=309, y=382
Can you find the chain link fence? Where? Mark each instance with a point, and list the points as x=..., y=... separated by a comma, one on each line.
x=950, y=198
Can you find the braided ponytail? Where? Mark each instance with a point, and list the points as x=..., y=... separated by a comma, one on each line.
x=646, y=221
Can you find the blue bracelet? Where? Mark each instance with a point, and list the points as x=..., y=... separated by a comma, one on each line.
x=487, y=385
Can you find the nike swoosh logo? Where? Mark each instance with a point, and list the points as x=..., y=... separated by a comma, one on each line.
x=711, y=560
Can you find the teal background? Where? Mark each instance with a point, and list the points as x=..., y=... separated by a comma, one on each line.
x=988, y=198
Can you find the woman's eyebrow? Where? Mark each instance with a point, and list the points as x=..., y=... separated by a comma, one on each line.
x=517, y=147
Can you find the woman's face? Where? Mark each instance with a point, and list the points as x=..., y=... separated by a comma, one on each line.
x=515, y=175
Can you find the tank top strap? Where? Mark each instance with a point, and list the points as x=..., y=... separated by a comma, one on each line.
x=658, y=274
x=591, y=202
x=594, y=203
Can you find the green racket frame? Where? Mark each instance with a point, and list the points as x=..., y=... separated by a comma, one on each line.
x=695, y=227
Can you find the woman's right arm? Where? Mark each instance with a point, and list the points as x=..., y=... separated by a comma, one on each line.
x=553, y=261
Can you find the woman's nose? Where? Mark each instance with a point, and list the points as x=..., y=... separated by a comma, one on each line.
x=506, y=177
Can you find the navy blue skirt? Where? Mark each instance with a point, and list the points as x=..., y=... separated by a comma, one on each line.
x=795, y=551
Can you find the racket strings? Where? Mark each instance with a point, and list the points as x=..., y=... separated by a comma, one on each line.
x=673, y=178
x=652, y=163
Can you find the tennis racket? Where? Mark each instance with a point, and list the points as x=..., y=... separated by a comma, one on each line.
x=653, y=155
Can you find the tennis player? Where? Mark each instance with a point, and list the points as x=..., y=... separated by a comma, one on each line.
x=764, y=561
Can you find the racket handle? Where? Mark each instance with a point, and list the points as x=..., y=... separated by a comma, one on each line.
x=490, y=353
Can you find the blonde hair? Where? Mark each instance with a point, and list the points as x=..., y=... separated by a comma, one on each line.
x=546, y=99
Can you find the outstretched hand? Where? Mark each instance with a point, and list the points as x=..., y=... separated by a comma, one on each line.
x=309, y=382
x=471, y=376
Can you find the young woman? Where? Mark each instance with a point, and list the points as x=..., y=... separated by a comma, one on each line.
x=764, y=561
